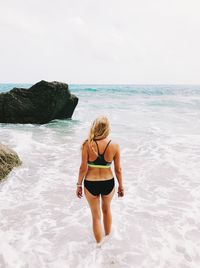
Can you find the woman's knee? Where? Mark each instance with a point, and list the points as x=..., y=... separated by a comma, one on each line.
x=96, y=216
x=105, y=209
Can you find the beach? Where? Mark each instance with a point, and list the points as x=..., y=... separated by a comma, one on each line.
x=155, y=225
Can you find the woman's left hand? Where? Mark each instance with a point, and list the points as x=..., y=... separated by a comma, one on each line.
x=120, y=191
x=79, y=192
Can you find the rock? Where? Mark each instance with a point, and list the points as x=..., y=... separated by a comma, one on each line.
x=8, y=160
x=39, y=104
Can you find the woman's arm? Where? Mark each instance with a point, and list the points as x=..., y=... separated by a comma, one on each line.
x=118, y=171
x=82, y=170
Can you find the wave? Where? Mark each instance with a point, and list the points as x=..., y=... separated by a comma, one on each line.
x=149, y=90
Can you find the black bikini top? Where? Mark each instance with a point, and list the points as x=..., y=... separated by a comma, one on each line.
x=100, y=161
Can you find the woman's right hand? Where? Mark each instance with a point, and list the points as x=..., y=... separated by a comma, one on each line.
x=79, y=191
x=120, y=191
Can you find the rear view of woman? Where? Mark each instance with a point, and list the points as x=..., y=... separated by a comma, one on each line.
x=98, y=152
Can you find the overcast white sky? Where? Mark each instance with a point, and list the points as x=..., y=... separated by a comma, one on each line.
x=100, y=41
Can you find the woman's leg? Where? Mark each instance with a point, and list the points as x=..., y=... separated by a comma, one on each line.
x=107, y=216
x=94, y=203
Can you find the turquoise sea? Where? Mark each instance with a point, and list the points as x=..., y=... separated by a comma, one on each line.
x=155, y=225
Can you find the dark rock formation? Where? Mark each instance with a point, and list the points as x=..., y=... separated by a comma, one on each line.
x=39, y=104
x=8, y=160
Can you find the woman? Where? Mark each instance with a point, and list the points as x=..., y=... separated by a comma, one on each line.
x=98, y=152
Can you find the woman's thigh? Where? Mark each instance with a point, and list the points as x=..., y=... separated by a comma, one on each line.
x=106, y=200
x=94, y=203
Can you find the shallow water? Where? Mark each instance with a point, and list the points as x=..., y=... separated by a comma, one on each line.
x=156, y=224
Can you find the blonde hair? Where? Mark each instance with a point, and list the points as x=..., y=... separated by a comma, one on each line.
x=99, y=130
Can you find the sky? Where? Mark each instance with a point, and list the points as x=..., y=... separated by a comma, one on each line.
x=100, y=41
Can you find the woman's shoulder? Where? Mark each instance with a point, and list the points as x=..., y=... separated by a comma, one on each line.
x=84, y=143
x=114, y=143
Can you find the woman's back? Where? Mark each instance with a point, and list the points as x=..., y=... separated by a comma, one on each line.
x=100, y=158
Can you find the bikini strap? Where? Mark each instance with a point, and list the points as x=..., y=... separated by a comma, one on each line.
x=106, y=147
x=97, y=147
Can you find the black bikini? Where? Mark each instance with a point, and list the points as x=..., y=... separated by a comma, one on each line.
x=100, y=161
x=97, y=187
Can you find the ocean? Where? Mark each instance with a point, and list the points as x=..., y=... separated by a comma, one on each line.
x=155, y=225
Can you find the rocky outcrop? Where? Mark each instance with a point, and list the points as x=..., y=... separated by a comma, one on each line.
x=39, y=104
x=8, y=160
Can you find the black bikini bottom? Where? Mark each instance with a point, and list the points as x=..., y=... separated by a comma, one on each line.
x=102, y=187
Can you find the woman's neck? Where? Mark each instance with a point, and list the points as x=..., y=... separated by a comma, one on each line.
x=100, y=139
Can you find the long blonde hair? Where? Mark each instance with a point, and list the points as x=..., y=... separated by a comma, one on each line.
x=99, y=130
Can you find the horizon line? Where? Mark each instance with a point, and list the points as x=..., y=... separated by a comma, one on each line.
x=107, y=84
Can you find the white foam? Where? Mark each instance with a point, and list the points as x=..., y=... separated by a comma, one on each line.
x=156, y=224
